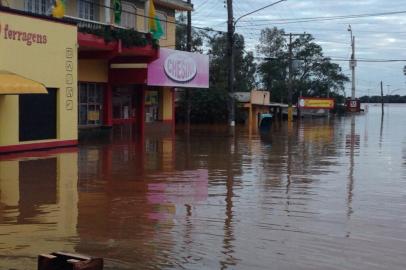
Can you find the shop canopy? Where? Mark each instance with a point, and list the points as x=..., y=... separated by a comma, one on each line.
x=13, y=84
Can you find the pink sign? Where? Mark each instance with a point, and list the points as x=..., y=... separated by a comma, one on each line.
x=179, y=69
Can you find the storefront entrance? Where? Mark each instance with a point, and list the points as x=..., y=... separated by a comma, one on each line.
x=124, y=108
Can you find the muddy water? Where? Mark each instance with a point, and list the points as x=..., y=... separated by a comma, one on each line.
x=323, y=194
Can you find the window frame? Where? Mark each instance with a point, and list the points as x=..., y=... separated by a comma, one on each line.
x=128, y=13
x=91, y=10
x=42, y=7
x=94, y=96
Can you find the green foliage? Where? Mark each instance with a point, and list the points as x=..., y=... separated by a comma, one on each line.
x=313, y=73
x=210, y=105
x=245, y=67
x=181, y=36
x=128, y=37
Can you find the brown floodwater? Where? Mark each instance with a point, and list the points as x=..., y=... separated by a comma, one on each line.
x=320, y=194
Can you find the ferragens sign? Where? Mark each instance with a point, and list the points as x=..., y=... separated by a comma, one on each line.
x=28, y=38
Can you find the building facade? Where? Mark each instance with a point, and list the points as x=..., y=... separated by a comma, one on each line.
x=43, y=50
x=95, y=70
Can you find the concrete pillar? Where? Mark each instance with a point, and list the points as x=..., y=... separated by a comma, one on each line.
x=107, y=18
x=140, y=109
x=108, y=106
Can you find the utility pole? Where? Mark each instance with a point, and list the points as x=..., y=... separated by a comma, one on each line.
x=382, y=102
x=353, y=63
x=189, y=49
x=230, y=58
x=290, y=109
x=231, y=23
x=290, y=83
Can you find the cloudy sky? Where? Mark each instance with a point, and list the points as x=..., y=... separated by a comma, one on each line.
x=377, y=37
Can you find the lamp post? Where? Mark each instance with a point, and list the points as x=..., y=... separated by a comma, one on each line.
x=231, y=24
x=353, y=62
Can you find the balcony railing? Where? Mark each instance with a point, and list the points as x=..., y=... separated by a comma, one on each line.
x=84, y=23
x=128, y=37
x=109, y=32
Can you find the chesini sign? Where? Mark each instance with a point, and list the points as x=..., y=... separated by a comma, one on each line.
x=179, y=69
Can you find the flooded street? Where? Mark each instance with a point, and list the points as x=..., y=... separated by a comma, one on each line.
x=322, y=194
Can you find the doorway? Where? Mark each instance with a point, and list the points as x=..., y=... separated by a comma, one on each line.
x=124, y=110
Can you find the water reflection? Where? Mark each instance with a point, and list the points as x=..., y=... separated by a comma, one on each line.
x=352, y=142
x=319, y=194
x=38, y=198
x=228, y=239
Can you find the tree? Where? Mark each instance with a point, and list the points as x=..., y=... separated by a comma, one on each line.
x=313, y=73
x=245, y=67
x=181, y=36
x=210, y=105
x=272, y=70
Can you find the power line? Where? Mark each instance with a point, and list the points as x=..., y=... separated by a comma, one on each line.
x=341, y=59
x=161, y=20
x=200, y=6
x=323, y=18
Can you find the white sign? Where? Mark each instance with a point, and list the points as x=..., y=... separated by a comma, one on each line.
x=353, y=104
x=301, y=102
x=180, y=67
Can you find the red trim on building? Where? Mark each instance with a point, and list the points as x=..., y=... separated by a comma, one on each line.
x=95, y=42
x=95, y=47
x=124, y=76
x=173, y=112
x=39, y=153
x=36, y=146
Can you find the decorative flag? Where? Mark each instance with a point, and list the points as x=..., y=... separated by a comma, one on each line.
x=117, y=11
x=58, y=11
x=155, y=26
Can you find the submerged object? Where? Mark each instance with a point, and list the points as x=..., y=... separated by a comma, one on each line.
x=265, y=121
x=65, y=261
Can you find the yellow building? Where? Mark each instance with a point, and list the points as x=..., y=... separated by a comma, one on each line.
x=94, y=70
x=43, y=50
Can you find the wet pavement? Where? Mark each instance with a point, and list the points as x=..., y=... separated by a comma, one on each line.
x=322, y=194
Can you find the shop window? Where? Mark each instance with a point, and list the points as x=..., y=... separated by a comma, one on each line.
x=88, y=9
x=129, y=15
x=90, y=104
x=43, y=7
x=37, y=116
x=151, y=106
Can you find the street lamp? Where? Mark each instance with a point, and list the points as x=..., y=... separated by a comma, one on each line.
x=353, y=63
x=231, y=69
x=254, y=11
